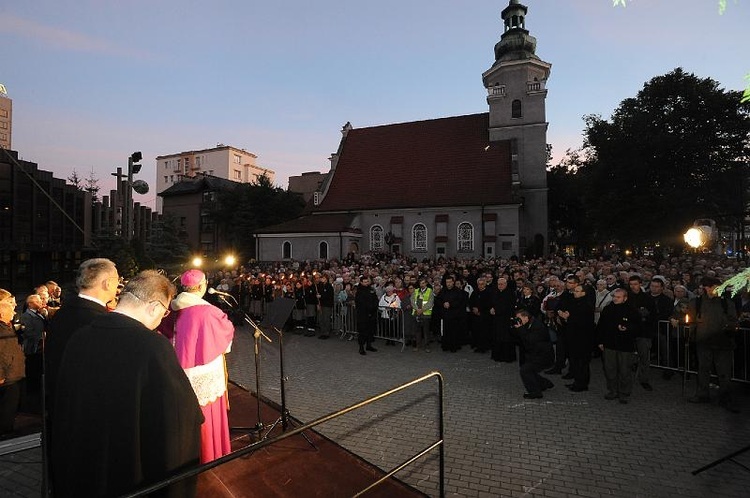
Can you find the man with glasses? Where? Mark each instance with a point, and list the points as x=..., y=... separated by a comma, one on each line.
x=202, y=334
x=126, y=415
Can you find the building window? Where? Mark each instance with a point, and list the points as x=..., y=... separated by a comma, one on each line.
x=237, y=159
x=465, y=237
x=166, y=179
x=286, y=250
x=376, y=238
x=323, y=250
x=516, y=109
x=419, y=238
x=507, y=245
x=237, y=174
x=198, y=161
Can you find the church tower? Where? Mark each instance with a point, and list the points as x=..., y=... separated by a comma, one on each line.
x=516, y=93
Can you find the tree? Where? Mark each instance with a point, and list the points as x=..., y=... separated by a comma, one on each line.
x=91, y=185
x=667, y=156
x=240, y=212
x=75, y=180
x=166, y=248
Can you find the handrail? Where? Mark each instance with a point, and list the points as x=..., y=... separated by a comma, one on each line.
x=267, y=442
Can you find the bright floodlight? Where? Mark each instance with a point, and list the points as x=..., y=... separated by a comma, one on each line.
x=229, y=260
x=197, y=261
x=694, y=238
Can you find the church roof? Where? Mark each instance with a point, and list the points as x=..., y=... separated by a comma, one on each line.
x=314, y=223
x=434, y=163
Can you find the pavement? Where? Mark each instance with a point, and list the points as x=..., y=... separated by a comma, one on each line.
x=497, y=444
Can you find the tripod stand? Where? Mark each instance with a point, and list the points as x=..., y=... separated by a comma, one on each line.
x=257, y=334
x=278, y=313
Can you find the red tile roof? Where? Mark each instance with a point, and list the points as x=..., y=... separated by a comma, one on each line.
x=314, y=223
x=439, y=162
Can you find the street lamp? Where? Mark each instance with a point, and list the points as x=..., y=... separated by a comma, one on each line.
x=694, y=237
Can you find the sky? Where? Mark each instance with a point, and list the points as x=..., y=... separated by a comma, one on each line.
x=93, y=81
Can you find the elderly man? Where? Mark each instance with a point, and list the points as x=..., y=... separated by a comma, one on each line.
x=34, y=323
x=715, y=319
x=97, y=280
x=202, y=334
x=125, y=413
x=616, y=332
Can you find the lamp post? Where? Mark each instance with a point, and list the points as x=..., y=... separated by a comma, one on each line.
x=141, y=187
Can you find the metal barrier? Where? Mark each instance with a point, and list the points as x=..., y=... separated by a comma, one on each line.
x=675, y=350
x=390, y=323
x=440, y=443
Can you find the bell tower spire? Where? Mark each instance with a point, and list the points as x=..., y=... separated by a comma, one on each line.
x=516, y=94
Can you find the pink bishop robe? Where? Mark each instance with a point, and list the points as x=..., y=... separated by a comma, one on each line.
x=202, y=334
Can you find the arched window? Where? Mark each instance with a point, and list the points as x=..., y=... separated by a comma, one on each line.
x=419, y=237
x=286, y=250
x=515, y=109
x=323, y=250
x=465, y=237
x=376, y=238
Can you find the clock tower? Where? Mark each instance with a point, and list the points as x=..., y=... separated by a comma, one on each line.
x=516, y=94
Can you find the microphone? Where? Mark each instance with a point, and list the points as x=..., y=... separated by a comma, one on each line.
x=211, y=290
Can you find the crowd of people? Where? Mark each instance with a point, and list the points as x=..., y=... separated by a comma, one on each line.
x=552, y=316
x=458, y=303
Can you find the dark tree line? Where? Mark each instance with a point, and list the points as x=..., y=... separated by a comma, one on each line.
x=676, y=152
x=240, y=212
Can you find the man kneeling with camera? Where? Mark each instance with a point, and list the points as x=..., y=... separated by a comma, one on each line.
x=535, y=340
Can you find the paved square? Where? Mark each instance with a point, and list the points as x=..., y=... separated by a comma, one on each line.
x=497, y=443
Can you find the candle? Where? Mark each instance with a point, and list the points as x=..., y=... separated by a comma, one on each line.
x=687, y=319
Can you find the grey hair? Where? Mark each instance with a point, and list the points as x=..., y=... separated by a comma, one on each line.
x=92, y=270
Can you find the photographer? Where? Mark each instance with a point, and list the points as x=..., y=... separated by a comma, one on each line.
x=534, y=338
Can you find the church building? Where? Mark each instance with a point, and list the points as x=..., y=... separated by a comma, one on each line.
x=464, y=186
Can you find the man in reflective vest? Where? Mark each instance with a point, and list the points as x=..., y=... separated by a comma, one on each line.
x=422, y=301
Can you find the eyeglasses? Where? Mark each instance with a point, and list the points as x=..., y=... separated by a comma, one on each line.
x=167, y=311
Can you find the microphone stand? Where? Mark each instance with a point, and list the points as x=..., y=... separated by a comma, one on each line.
x=257, y=334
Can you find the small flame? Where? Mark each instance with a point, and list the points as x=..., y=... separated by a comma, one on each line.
x=687, y=318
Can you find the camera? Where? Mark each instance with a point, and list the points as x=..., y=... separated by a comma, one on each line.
x=515, y=322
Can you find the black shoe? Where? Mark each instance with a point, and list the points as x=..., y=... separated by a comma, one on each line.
x=547, y=385
x=647, y=386
x=362, y=350
x=579, y=389
x=610, y=396
x=568, y=376
x=370, y=348
x=553, y=371
x=570, y=385
x=532, y=395
x=322, y=337
x=623, y=401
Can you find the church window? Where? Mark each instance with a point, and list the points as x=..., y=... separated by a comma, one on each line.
x=376, y=238
x=286, y=250
x=516, y=109
x=419, y=237
x=465, y=237
x=323, y=250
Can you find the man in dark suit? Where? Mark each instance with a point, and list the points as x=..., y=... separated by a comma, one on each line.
x=97, y=282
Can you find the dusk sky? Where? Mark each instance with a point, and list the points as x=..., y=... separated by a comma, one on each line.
x=93, y=81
